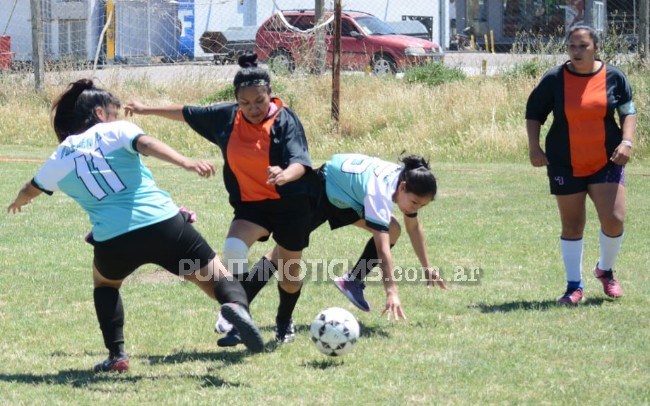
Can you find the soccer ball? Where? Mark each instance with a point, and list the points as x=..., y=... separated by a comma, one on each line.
x=334, y=331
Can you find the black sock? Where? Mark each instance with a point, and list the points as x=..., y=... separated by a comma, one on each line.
x=229, y=290
x=367, y=261
x=287, y=304
x=258, y=277
x=110, y=314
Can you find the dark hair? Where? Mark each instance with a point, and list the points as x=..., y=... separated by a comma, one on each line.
x=418, y=176
x=590, y=30
x=250, y=74
x=73, y=112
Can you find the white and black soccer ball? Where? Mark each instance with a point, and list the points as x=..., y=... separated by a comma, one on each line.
x=334, y=331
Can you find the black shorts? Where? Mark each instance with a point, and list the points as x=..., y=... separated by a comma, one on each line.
x=562, y=181
x=326, y=211
x=173, y=244
x=287, y=219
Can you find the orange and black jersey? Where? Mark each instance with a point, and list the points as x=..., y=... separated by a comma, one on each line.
x=248, y=149
x=584, y=132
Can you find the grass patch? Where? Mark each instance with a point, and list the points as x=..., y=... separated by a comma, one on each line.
x=501, y=340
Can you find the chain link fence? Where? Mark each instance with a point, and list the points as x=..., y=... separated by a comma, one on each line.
x=116, y=33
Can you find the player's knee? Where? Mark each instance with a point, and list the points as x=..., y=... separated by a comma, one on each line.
x=235, y=256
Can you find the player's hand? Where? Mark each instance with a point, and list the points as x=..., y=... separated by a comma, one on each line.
x=15, y=206
x=621, y=154
x=537, y=156
x=276, y=176
x=134, y=107
x=434, y=278
x=203, y=168
x=393, y=307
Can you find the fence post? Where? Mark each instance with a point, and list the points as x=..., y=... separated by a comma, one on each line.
x=336, y=63
x=37, y=44
x=642, y=35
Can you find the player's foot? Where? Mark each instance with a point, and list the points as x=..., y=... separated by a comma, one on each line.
x=231, y=339
x=118, y=363
x=222, y=326
x=571, y=297
x=241, y=320
x=610, y=284
x=285, y=332
x=353, y=290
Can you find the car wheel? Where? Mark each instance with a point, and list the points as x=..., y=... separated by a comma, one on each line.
x=281, y=62
x=383, y=65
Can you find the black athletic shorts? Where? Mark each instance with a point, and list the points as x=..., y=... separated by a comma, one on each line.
x=287, y=219
x=173, y=244
x=326, y=211
x=562, y=181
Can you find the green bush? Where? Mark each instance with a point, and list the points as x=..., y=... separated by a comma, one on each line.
x=433, y=74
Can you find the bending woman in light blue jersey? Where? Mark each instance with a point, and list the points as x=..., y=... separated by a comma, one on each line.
x=97, y=163
x=361, y=190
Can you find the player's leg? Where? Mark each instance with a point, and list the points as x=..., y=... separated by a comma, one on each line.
x=110, y=315
x=609, y=201
x=289, y=289
x=573, y=218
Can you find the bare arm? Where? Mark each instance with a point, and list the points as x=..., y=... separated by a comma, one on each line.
x=278, y=176
x=622, y=153
x=150, y=146
x=535, y=151
x=25, y=196
x=172, y=112
x=418, y=242
x=393, y=304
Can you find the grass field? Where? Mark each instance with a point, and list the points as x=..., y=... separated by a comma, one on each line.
x=502, y=340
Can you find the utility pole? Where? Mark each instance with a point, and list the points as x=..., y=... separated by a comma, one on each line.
x=320, y=37
x=37, y=44
x=644, y=33
x=336, y=63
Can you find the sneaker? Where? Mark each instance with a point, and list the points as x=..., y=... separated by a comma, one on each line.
x=571, y=297
x=231, y=339
x=222, y=326
x=353, y=290
x=119, y=363
x=285, y=332
x=610, y=285
x=241, y=320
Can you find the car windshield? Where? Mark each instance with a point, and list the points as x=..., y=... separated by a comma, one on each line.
x=374, y=26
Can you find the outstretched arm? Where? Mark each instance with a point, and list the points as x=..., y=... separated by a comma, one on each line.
x=418, y=242
x=393, y=304
x=172, y=112
x=25, y=196
x=150, y=146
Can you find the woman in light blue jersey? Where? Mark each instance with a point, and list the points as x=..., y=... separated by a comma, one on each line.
x=97, y=163
x=361, y=190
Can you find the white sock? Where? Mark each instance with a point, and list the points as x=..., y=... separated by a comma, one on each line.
x=609, y=249
x=572, y=256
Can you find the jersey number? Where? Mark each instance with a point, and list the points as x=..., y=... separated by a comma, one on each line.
x=359, y=165
x=103, y=170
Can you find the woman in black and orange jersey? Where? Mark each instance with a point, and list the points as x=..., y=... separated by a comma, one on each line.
x=265, y=154
x=586, y=152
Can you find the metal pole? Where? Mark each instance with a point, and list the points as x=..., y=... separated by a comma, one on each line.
x=336, y=63
x=320, y=37
x=38, y=44
x=643, y=33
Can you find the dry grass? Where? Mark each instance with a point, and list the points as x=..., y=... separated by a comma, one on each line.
x=478, y=119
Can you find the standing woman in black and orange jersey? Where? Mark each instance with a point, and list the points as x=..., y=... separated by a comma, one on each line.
x=265, y=157
x=586, y=152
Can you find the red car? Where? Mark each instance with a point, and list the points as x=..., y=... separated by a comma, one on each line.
x=287, y=40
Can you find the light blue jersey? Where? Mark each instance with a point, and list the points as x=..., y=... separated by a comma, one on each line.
x=101, y=170
x=363, y=183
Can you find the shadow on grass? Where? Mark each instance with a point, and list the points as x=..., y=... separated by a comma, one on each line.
x=72, y=377
x=376, y=331
x=542, y=305
x=331, y=362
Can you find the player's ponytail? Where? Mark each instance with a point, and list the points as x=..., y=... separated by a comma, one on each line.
x=74, y=110
x=418, y=176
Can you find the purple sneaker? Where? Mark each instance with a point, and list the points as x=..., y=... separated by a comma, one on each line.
x=353, y=290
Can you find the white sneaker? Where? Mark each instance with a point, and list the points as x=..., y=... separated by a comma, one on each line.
x=222, y=325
